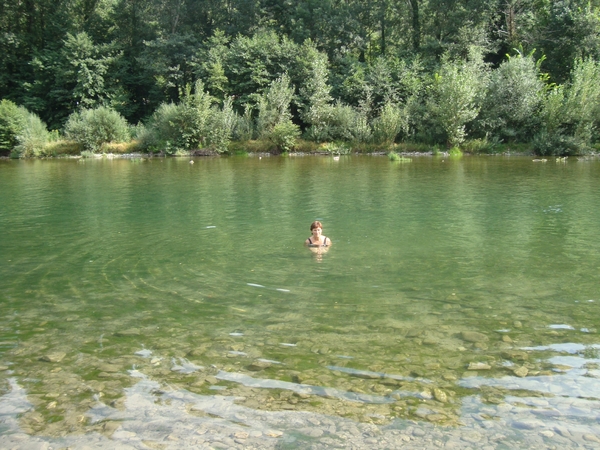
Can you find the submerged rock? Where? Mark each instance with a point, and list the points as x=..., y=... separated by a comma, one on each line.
x=515, y=355
x=258, y=365
x=473, y=336
x=479, y=366
x=130, y=332
x=521, y=371
x=53, y=357
x=440, y=395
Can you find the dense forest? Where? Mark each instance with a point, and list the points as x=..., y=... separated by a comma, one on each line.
x=178, y=75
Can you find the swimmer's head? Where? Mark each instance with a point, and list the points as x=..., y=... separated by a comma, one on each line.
x=315, y=224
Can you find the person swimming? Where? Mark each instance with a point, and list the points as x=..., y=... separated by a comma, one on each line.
x=317, y=240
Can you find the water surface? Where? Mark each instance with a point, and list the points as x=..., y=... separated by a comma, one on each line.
x=449, y=280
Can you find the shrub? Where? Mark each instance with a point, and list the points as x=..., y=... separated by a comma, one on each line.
x=179, y=127
x=243, y=129
x=33, y=139
x=513, y=98
x=455, y=97
x=582, y=100
x=22, y=133
x=284, y=135
x=557, y=144
x=479, y=146
x=395, y=157
x=341, y=120
x=390, y=122
x=339, y=148
x=347, y=124
x=87, y=154
x=12, y=123
x=274, y=106
x=94, y=127
x=455, y=151
x=221, y=124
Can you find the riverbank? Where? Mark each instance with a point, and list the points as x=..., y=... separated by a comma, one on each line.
x=68, y=149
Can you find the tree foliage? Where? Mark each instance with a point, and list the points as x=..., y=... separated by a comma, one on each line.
x=351, y=66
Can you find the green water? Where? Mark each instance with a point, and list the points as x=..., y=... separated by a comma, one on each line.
x=205, y=263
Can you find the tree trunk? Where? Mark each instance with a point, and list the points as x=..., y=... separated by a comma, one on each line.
x=416, y=24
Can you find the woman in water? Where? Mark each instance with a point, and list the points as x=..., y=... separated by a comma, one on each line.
x=317, y=240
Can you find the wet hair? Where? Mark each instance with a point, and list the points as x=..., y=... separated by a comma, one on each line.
x=315, y=224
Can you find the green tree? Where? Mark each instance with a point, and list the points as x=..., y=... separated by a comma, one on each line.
x=568, y=30
x=316, y=94
x=252, y=63
x=168, y=61
x=81, y=75
x=209, y=64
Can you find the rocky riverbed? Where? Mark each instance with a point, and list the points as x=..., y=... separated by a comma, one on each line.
x=251, y=390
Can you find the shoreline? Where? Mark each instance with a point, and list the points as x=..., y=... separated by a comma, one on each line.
x=137, y=155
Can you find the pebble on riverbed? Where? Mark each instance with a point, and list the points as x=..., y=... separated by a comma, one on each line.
x=521, y=371
x=478, y=366
x=55, y=357
x=258, y=365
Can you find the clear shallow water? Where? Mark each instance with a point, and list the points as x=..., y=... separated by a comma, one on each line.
x=201, y=270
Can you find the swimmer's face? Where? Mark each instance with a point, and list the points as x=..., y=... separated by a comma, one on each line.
x=316, y=231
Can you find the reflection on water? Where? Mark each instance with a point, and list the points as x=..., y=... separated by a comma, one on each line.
x=459, y=293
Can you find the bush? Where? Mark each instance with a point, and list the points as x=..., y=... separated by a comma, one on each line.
x=274, y=106
x=388, y=125
x=22, y=133
x=558, y=144
x=582, y=100
x=455, y=151
x=339, y=148
x=221, y=124
x=12, y=123
x=182, y=127
x=243, y=129
x=513, y=99
x=455, y=97
x=33, y=139
x=393, y=156
x=345, y=123
x=341, y=120
x=284, y=135
x=481, y=146
x=94, y=127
